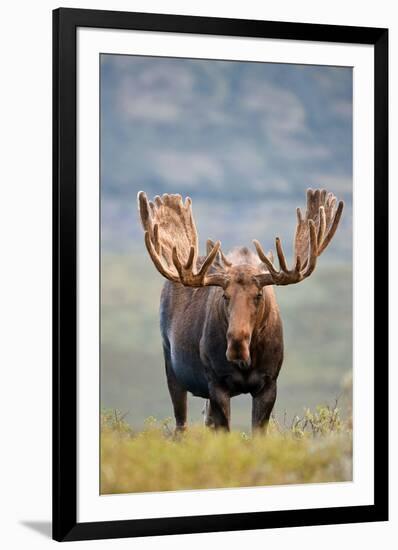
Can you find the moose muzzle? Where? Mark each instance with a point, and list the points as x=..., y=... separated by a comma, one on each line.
x=238, y=350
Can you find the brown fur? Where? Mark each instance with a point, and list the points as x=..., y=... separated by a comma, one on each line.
x=219, y=319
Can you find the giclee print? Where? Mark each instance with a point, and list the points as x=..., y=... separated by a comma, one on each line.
x=225, y=362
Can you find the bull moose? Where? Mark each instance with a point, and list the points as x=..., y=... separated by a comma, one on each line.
x=219, y=319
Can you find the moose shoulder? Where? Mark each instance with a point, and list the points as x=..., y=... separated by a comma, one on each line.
x=220, y=323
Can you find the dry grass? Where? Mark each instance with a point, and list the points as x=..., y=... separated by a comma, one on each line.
x=312, y=449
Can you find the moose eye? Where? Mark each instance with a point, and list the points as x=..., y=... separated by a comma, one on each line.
x=258, y=297
x=226, y=298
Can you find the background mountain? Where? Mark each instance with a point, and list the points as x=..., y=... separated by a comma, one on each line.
x=244, y=140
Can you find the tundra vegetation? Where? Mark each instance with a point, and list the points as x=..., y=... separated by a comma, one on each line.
x=315, y=447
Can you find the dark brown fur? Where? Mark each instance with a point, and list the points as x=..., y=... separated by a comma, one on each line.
x=219, y=343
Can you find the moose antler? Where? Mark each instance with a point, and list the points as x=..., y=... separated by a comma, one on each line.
x=172, y=241
x=313, y=234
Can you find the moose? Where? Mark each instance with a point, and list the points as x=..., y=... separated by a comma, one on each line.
x=220, y=323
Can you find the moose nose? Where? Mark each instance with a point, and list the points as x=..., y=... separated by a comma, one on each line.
x=238, y=350
x=242, y=336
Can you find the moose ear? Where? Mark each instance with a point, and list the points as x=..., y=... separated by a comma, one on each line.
x=220, y=261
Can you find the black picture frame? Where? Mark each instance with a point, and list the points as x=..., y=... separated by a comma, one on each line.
x=65, y=24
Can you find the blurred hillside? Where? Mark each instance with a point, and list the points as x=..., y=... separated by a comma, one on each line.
x=318, y=341
x=244, y=140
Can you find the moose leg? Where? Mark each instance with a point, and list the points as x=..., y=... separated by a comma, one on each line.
x=209, y=420
x=179, y=398
x=263, y=403
x=219, y=408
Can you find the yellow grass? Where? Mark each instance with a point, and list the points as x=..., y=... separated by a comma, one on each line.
x=315, y=448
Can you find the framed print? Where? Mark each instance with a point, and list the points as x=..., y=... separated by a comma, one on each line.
x=220, y=326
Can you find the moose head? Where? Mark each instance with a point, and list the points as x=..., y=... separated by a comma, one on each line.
x=172, y=243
